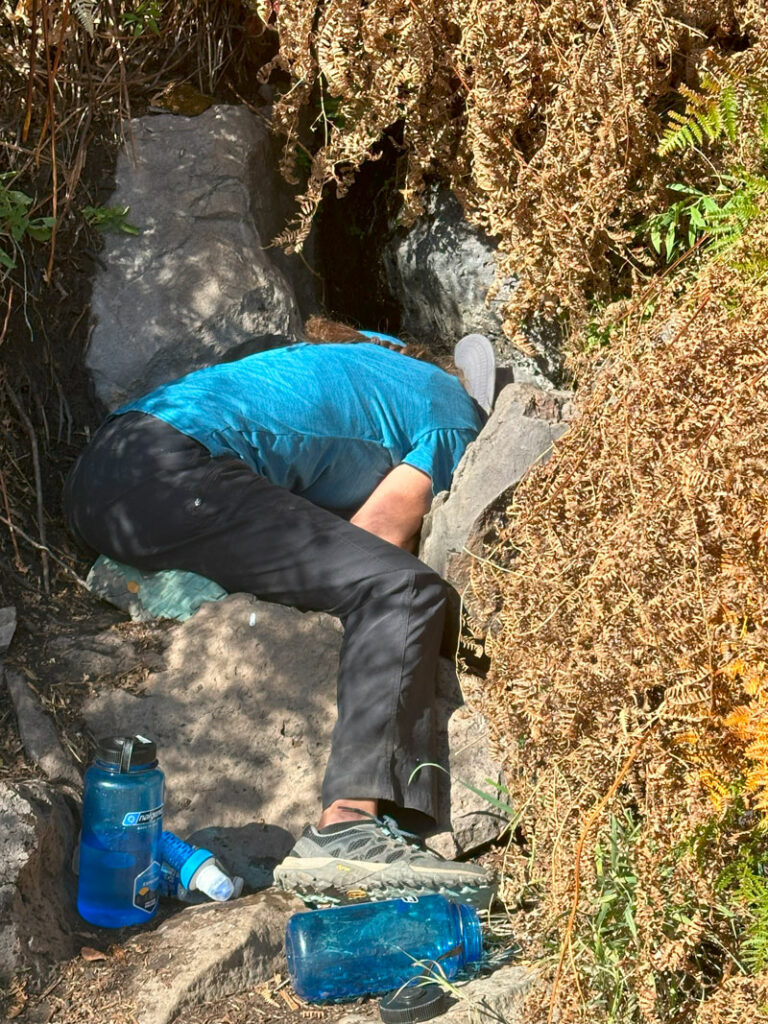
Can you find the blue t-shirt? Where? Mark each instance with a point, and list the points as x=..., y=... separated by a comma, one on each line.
x=327, y=422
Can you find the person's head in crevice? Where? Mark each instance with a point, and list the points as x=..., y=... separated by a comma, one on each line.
x=320, y=330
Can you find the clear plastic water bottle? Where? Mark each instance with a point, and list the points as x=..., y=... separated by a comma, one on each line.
x=120, y=841
x=197, y=868
x=372, y=948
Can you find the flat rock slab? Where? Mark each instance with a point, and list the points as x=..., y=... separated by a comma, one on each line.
x=494, y=998
x=520, y=432
x=207, y=952
x=242, y=714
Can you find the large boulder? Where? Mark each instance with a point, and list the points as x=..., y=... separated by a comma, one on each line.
x=524, y=425
x=199, y=279
x=243, y=714
x=439, y=272
x=37, y=889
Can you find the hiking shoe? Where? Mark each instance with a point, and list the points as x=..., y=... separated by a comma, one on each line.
x=375, y=860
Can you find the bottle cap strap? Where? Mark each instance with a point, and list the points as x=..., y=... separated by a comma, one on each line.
x=126, y=754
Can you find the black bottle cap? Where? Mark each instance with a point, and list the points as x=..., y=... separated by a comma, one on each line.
x=126, y=751
x=413, y=1003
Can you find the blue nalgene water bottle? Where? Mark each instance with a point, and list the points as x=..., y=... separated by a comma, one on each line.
x=120, y=841
x=372, y=948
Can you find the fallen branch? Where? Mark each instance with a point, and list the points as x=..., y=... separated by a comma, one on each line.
x=27, y=424
x=4, y=492
x=591, y=820
x=25, y=536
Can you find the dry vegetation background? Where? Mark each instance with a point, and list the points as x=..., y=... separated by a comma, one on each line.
x=543, y=118
x=625, y=592
x=629, y=642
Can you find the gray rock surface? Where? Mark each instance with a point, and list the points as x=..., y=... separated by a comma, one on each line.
x=205, y=953
x=242, y=714
x=439, y=272
x=37, y=916
x=213, y=960
x=199, y=279
x=7, y=627
x=493, y=999
x=525, y=423
x=105, y=654
x=38, y=732
x=474, y=820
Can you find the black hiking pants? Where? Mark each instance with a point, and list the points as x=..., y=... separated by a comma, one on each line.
x=146, y=494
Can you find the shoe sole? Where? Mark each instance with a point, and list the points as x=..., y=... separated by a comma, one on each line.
x=336, y=879
x=474, y=356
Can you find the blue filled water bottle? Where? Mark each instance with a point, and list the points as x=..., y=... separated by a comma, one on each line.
x=372, y=948
x=120, y=841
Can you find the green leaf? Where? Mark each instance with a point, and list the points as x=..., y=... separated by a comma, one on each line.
x=669, y=239
x=630, y=922
x=696, y=219
x=19, y=199
x=40, y=228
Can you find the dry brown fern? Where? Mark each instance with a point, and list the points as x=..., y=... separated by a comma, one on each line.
x=631, y=587
x=544, y=119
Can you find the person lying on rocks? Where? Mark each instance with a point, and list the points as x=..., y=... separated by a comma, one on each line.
x=302, y=475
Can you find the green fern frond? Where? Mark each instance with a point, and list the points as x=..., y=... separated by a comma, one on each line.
x=712, y=113
x=684, y=133
x=752, y=893
x=729, y=109
x=83, y=11
x=720, y=218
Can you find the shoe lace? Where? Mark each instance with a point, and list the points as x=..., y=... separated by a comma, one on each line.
x=390, y=828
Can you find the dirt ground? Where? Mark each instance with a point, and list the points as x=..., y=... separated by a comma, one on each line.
x=68, y=646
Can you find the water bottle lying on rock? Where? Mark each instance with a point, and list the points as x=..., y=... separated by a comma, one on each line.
x=189, y=869
x=372, y=948
x=119, y=873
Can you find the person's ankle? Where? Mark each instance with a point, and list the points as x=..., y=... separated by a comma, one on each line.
x=352, y=811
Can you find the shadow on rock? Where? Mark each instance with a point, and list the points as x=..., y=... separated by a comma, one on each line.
x=251, y=851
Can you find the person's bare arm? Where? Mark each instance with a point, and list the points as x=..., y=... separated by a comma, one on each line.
x=396, y=508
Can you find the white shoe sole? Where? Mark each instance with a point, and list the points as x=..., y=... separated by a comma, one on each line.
x=318, y=875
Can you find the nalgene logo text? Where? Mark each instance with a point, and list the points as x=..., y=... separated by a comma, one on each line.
x=143, y=817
